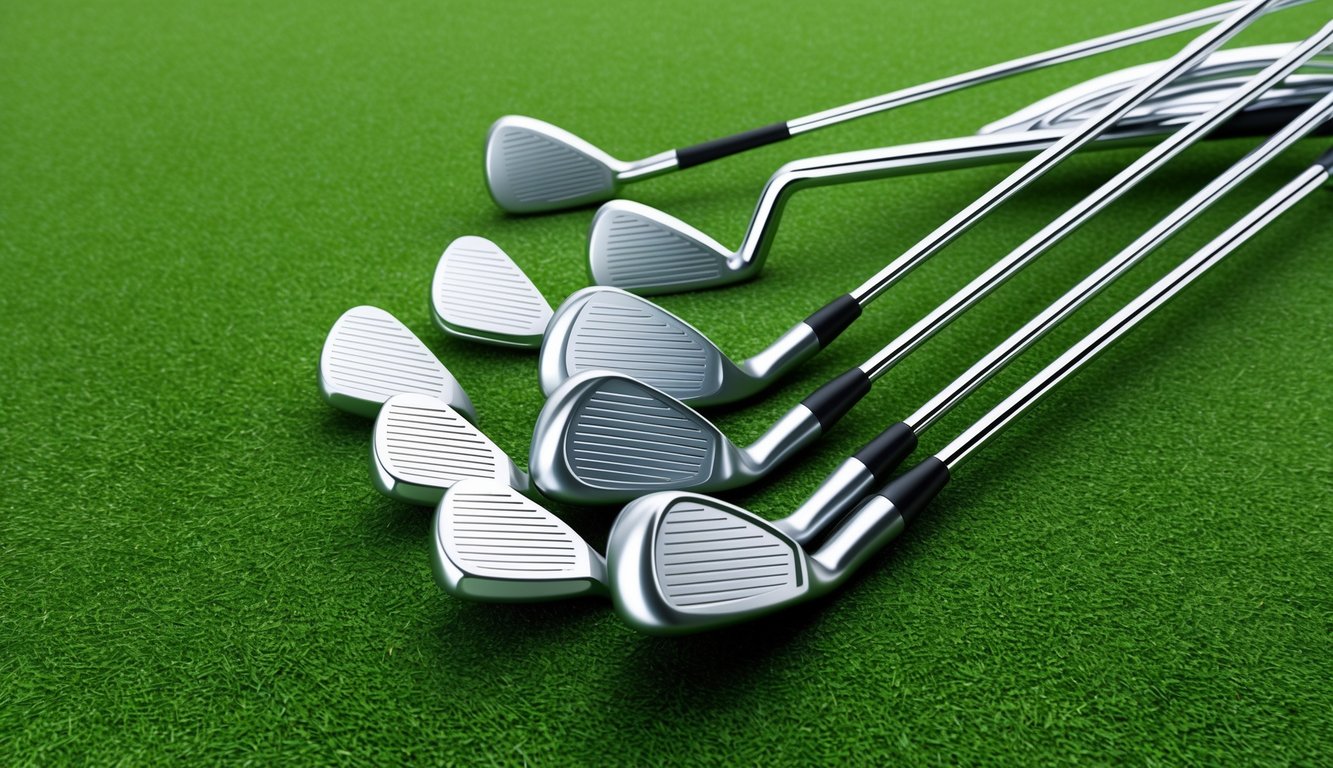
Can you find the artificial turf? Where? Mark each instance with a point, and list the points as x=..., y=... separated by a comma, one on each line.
x=193, y=564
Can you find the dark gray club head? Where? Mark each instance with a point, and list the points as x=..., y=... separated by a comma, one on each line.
x=609, y=329
x=422, y=446
x=479, y=293
x=604, y=438
x=681, y=562
x=495, y=545
x=534, y=166
x=369, y=356
x=641, y=249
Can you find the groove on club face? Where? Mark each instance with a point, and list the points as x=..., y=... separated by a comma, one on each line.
x=494, y=544
x=421, y=447
x=369, y=356
x=681, y=562
x=479, y=293
x=641, y=249
x=534, y=166
x=614, y=330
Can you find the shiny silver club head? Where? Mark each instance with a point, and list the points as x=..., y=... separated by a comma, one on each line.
x=422, y=446
x=369, y=356
x=479, y=293
x=495, y=545
x=641, y=249
x=681, y=562
x=609, y=329
x=534, y=166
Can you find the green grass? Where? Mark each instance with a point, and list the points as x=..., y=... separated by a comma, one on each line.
x=192, y=561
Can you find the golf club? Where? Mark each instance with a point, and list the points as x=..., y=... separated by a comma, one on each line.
x=647, y=251
x=534, y=166
x=369, y=356
x=682, y=562
x=479, y=293
x=605, y=437
x=608, y=329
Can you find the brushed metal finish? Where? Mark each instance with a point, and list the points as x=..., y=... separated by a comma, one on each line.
x=609, y=329
x=493, y=544
x=421, y=446
x=605, y=437
x=369, y=356
x=634, y=248
x=479, y=293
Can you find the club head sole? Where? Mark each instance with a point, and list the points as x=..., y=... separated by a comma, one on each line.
x=421, y=447
x=369, y=356
x=479, y=293
x=534, y=166
x=495, y=545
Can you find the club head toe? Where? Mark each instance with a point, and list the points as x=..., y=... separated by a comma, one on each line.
x=479, y=293
x=681, y=562
x=611, y=330
x=644, y=250
x=495, y=545
x=534, y=166
x=421, y=446
x=604, y=438
x=369, y=356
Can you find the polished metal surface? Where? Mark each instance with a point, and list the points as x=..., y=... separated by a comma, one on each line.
x=1090, y=206
x=421, y=446
x=605, y=437
x=1109, y=272
x=535, y=166
x=610, y=329
x=479, y=293
x=642, y=249
x=493, y=544
x=369, y=356
x=1129, y=316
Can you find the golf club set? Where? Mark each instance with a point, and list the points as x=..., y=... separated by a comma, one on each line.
x=623, y=377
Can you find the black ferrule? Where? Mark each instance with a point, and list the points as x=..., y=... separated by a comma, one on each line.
x=833, y=318
x=911, y=491
x=1326, y=159
x=699, y=154
x=833, y=400
x=887, y=450
x=1263, y=122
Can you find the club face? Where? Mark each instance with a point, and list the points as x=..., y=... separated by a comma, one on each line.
x=421, y=446
x=534, y=166
x=681, y=562
x=495, y=545
x=611, y=330
x=644, y=250
x=603, y=438
x=369, y=356
x=479, y=293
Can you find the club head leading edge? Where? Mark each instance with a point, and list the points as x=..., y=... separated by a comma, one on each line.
x=493, y=544
x=422, y=446
x=601, y=328
x=534, y=166
x=369, y=356
x=479, y=293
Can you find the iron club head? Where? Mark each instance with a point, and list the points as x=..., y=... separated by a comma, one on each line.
x=422, y=446
x=534, y=166
x=605, y=437
x=369, y=356
x=479, y=293
x=495, y=545
x=603, y=328
x=642, y=249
